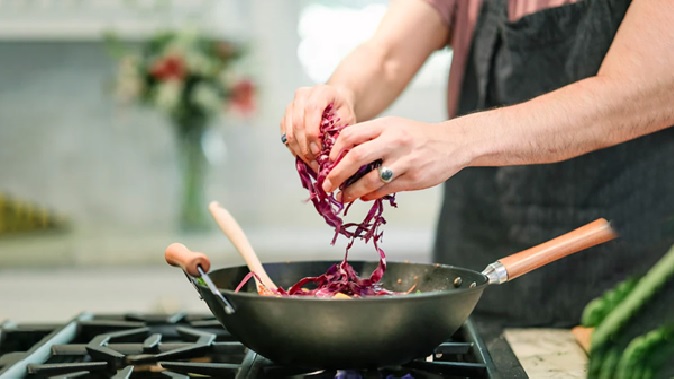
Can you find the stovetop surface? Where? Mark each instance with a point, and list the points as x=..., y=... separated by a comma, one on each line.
x=196, y=345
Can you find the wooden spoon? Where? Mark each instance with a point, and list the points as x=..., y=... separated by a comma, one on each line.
x=236, y=236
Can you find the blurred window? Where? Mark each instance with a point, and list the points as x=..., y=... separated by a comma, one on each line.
x=330, y=29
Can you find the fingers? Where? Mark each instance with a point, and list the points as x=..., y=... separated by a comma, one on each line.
x=292, y=112
x=365, y=148
x=286, y=132
x=355, y=135
x=398, y=185
x=298, y=141
x=302, y=120
x=371, y=186
x=313, y=112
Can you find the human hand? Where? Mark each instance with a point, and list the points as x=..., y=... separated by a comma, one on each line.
x=420, y=155
x=302, y=119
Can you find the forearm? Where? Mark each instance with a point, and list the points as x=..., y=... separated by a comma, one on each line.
x=632, y=95
x=371, y=78
x=377, y=71
x=586, y=116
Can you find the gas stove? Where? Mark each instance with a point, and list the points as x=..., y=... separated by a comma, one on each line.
x=196, y=345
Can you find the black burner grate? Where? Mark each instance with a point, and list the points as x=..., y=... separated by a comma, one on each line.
x=190, y=346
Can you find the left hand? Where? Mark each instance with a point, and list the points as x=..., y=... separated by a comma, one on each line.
x=421, y=155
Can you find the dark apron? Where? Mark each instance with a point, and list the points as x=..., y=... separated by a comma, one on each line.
x=488, y=213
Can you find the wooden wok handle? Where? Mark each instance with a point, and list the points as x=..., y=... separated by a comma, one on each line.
x=179, y=255
x=594, y=233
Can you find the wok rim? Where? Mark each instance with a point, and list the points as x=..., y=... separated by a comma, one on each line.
x=423, y=295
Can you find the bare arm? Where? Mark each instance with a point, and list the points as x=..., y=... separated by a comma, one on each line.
x=369, y=79
x=378, y=70
x=632, y=95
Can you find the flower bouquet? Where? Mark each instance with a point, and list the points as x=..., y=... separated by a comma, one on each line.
x=191, y=78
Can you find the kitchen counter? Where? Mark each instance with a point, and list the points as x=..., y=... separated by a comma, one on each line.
x=547, y=353
x=80, y=249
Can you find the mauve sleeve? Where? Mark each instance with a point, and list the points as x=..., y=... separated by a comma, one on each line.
x=446, y=10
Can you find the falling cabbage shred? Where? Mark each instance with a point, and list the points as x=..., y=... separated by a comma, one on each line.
x=340, y=278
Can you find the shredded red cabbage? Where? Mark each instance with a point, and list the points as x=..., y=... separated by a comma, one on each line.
x=341, y=277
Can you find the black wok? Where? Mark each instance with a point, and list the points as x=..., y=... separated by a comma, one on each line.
x=335, y=333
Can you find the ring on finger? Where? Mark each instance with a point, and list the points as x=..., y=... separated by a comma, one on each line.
x=385, y=174
x=284, y=139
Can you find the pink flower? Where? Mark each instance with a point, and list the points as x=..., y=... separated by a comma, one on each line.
x=242, y=97
x=171, y=67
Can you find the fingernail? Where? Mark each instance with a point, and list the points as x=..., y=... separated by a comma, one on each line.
x=314, y=148
x=314, y=166
x=327, y=185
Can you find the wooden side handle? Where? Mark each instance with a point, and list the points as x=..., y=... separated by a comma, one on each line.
x=179, y=255
x=594, y=233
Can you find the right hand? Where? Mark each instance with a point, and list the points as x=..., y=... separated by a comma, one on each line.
x=302, y=119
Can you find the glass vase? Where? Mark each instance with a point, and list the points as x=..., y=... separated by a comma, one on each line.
x=193, y=169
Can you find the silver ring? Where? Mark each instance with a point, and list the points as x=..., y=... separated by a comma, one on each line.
x=385, y=174
x=284, y=139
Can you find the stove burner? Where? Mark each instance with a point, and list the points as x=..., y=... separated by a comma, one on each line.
x=189, y=346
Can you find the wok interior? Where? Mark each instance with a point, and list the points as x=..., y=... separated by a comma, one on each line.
x=398, y=277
